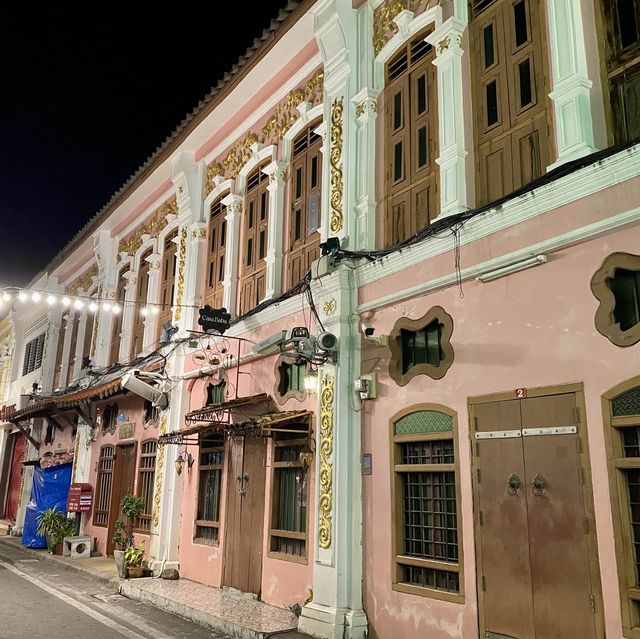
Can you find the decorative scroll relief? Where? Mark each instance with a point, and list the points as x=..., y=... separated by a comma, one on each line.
x=325, y=502
x=384, y=28
x=84, y=281
x=335, y=159
x=159, y=466
x=283, y=118
x=153, y=227
x=183, y=258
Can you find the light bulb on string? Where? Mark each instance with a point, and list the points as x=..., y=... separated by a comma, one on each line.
x=78, y=304
x=106, y=306
x=93, y=307
x=51, y=300
x=35, y=296
x=6, y=296
x=115, y=309
x=155, y=310
x=144, y=311
x=22, y=296
x=66, y=301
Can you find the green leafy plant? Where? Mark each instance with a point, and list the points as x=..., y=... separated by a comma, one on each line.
x=54, y=525
x=133, y=556
x=130, y=506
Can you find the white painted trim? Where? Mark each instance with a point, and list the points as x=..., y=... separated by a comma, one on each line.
x=557, y=243
x=591, y=179
x=297, y=127
x=148, y=211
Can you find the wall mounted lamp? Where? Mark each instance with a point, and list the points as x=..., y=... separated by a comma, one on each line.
x=306, y=455
x=180, y=461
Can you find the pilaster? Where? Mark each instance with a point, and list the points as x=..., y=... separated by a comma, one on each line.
x=447, y=41
x=153, y=297
x=571, y=84
x=54, y=333
x=79, y=346
x=276, y=171
x=129, y=309
x=67, y=354
x=233, y=217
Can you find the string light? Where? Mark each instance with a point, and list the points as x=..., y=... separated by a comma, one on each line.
x=79, y=304
x=93, y=307
x=51, y=300
x=115, y=309
x=106, y=306
x=155, y=310
x=144, y=311
x=66, y=301
x=35, y=296
x=22, y=296
x=6, y=296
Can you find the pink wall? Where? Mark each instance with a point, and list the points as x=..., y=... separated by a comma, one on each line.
x=133, y=409
x=283, y=582
x=533, y=328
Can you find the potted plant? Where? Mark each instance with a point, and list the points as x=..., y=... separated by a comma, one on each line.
x=133, y=557
x=130, y=506
x=54, y=526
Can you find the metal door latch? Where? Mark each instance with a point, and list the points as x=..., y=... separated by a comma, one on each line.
x=242, y=483
x=513, y=483
x=538, y=484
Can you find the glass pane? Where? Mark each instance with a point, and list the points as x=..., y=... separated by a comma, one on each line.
x=428, y=452
x=626, y=404
x=520, y=22
x=221, y=268
x=251, y=214
x=250, y=251
x=263, y=206
x=397, y=162
x=397, y=111
x=631, y=441
x=633, y=483
x=524, y=70
x=422, y=147
x=263, y=244
x=489, y=54
x=314, y=171
x=625, y=286
x=297, y=225
x=431, y=578
x=298, y=193
x=492, y=103
x=223, y=232
x=313, y=220
x=424, y=421
x=421, y=86
x=627, y=21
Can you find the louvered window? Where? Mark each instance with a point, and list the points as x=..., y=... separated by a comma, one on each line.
x=254, y=241
x=116, y=327
x=305, y=179
x=89, y=327
x=104, y=482
x=217, y=253
x=509, y=70
x=167, y=282
x=411, y=127
x=33, y=353
x=146, y=476
x=211, y=461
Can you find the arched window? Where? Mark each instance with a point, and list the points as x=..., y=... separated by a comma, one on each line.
x=411, y=141
x=509, y=72
x=254, y=241
x=622, y=430
x=142, y=288
x=167, y=282
x=217, y=234
x=116, y=328
x=426, y=498
x=305, y=180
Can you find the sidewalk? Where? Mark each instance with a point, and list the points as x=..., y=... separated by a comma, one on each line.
x=234, y=614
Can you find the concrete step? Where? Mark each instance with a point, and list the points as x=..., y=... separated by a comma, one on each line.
x=231, y=613
x=5, y=525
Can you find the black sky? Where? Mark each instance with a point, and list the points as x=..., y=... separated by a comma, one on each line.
x=85, y=101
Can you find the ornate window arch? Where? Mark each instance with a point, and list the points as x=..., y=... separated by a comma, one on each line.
x=425, y=495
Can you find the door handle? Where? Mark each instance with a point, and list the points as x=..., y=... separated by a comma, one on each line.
x=242, y=483
x=538, y=484
x=513, y=483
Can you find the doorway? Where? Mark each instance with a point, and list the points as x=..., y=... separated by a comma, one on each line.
x=243, y=537
x=123, y=480
x=537, y=566
x=14, y=488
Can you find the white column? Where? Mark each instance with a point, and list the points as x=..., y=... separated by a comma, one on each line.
x=277, y=173
x=195, y=274
x=447, y=41
x=82, y=329
x=67, y=354
x=233, y=217
x=365, y=103
x=153, y=297
x=571, y=84
x=128, y=313
x=54, y=334
x=104, y=329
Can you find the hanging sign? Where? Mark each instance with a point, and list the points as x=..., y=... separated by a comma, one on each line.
x=6, y=411
x=214, y=319
x=80, y=498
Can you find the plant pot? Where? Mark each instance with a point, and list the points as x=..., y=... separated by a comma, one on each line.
x=118, y=555
x=135, y=571
x=59, y=549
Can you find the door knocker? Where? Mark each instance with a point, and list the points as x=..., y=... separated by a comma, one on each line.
x=242, y=483
x=513, y=483
x=538, y=484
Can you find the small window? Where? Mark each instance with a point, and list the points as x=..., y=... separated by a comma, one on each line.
x=421, y=347
x=109, y=419
x=146, y=477
x=216, y=393
x=288, y=531
x=425, y=491
x=211, y=458
x=616, y=285
x=151, y=413
x=33, y=353
x=289, y=381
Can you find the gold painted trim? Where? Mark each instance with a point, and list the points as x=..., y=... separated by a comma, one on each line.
x=84, y=281
x=325, y=501
x=335, y=158
x=153, y=227
x=183, y=258
x=159, y=466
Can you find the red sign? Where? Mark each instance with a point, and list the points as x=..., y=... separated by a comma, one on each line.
x=6, y=411
x=80, y=498
x=521, y=393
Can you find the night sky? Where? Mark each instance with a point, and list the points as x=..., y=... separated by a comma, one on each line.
x=85, y=100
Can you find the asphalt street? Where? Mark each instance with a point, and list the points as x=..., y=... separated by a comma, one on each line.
x=45, y=600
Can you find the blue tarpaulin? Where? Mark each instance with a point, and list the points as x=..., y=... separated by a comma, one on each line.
x=50, y=490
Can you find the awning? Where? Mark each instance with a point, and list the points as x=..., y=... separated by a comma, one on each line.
x=295, y=421
x=220, y=413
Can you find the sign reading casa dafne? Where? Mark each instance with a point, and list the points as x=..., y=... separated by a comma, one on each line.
x=214, y=319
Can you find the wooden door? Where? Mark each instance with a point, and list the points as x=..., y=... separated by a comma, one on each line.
x=245, y=514
x=123, y=480
x=15, y=477
x=533, y=536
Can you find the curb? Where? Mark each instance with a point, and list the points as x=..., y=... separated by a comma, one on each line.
x=45, y=556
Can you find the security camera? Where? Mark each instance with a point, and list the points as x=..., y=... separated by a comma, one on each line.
x=367, y=329
x=132, y=382
x=327, y=342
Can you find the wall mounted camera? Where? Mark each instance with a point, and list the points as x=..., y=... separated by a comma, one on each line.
x=327, y=342
x=132, y=382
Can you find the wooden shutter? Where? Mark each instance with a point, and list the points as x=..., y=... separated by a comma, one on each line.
x=116, y=327
x=411, y=132
x=509, y=77
x=142, y=289
x=167, y=282
x=217, y=238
